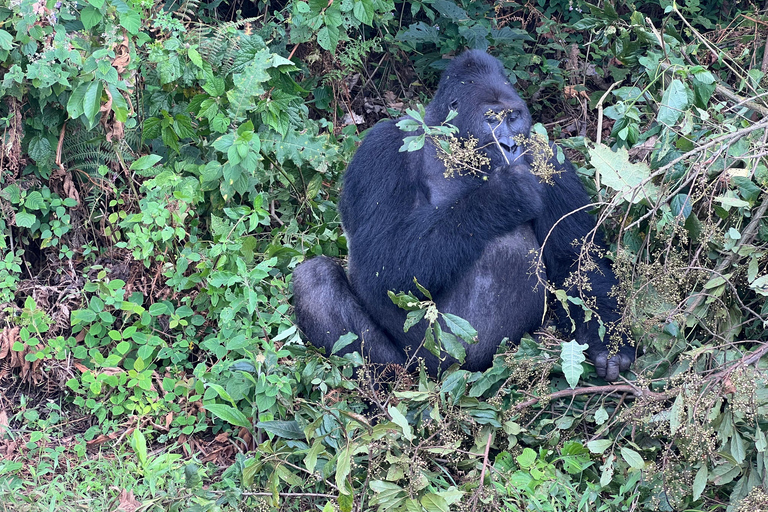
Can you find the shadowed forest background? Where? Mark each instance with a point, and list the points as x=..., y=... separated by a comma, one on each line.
x=164, y=167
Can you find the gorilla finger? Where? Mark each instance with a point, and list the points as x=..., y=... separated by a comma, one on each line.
x=601, y=363
x=612, y=372
x=625, y=362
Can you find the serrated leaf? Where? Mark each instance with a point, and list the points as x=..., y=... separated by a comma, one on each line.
x=24, y=219
x=761, y=443
x=6, y=40
x=364, y=11
x=346, y=502
x=40, y=149
x=673, y=103
x=90, y=17
x=230, y=415
x=434, y=503
x=195, y=58
x=35, y=201
x=343, y=467
x=601, y=415
x=450, y=344
x=572, y=355
x=130, y=21
x=282, y=428
x=624, y=177
x=460, y=327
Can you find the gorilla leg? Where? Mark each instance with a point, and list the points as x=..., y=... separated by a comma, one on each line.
x=327, y=308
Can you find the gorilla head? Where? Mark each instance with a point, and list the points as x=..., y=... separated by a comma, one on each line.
x=476, y=86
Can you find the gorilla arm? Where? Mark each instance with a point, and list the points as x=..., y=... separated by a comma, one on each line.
x=561, y=259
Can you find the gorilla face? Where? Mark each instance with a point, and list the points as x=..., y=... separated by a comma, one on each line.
x=476, y=87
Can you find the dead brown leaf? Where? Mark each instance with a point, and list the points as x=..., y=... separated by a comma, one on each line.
x=128, y=502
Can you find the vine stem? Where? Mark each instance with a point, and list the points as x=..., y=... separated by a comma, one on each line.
x=617, y=388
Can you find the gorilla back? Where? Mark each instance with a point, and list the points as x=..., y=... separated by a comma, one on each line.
x=471, y=239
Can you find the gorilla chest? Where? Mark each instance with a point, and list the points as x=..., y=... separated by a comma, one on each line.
x=501, y=292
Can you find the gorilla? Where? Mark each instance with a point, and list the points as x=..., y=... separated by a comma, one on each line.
x=471, y=240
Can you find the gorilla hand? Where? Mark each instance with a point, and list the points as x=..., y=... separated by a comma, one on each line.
x=608, y=367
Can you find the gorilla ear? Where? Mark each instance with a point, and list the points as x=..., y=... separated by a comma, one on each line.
x=454, y=104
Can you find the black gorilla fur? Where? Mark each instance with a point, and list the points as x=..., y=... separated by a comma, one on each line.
x=468, y=240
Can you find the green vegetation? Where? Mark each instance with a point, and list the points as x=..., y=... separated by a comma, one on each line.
x=165, y=166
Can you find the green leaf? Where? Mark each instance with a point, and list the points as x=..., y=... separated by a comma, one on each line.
x=450, y=344
x=460, y=327
x=119, y=105
x=634, y=459
x=195, y=57
x=572, y=355
x=82, y=315
x=75, y=102
x=400, y=420
x=230, y=415
x=343, y=341
x=310, y=460
x=158, y=308
x=90, y=17
x=606, y=471
x=130, y=21
x=700, y=482
x=139, y=444
x=282, y=428
x=92, y=101
x=601, y=415
x=328, y=38
x=599, y=445
x=738, y=448
x=40, y=149
x=364, y=11
x=35, y=201
x=676, y=414
x=527, y=458
x=6, y=40
x=455, y=385
x=624, y=177
x=145, y=162
x=434, y=503
x=674, y=101
x=681, y=206
x=24, y=219
x=343, y=467
x=346, y=501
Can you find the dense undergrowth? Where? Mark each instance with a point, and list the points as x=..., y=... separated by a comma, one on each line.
x=165, y=166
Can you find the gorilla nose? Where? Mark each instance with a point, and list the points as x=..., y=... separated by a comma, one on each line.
x=510, y=149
